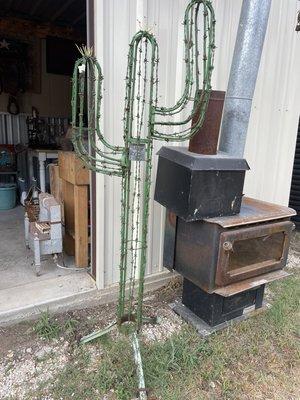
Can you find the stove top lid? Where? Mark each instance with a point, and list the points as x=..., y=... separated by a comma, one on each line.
x=252, y=212
x=203, y=162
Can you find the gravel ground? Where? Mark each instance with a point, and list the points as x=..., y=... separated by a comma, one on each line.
x=24, y=370
x=27, y=360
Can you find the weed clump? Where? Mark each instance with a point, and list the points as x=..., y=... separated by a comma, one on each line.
x=48, y=327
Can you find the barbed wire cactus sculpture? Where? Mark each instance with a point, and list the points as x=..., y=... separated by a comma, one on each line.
x=144, y=121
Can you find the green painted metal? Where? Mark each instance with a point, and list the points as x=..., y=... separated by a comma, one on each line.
x=144, y=122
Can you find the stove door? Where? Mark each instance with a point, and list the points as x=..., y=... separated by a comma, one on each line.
x=248, y=252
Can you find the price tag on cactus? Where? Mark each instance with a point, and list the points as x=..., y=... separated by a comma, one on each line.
x=137, y=152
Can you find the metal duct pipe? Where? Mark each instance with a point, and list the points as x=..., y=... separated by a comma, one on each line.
x=244, y=68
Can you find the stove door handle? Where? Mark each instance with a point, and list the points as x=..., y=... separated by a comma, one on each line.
x=227, y=246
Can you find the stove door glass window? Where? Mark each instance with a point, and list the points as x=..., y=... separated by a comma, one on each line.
x=252, y=251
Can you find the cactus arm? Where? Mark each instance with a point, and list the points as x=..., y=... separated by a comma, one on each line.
x=103, y=160
x=133, y=88
x=181, y=103
x=200, y=97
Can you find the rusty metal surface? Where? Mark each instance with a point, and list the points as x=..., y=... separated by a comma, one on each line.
x=251, y=283
x=199, y=251
x=227, y=274
x=35, y=232
x=253, y=211
x=196, y=252
x=205, y=141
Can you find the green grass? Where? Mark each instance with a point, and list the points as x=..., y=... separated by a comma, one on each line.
x=47, y=327
x=281, y=315
x=115, y=370
x=258, y=357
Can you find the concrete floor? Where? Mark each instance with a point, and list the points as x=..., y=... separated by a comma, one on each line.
x=20, y=288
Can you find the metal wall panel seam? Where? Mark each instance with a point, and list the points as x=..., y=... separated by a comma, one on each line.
x=100, y=223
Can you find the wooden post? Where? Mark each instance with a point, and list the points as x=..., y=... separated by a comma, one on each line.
x=81, y=225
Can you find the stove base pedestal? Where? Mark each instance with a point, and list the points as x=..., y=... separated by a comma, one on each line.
x=215, y=309
x=206, y=330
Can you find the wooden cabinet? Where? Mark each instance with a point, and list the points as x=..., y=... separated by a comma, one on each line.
x=75, y=197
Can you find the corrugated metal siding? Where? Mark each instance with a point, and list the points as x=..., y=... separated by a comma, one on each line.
x=273, y=126
x=13, y=130
x=275, y=111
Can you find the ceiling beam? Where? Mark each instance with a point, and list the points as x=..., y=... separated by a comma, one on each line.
x=8, y=4
x=36, y=5
x=18, y=5
x=78, y=19
x=25, y=28
x=61, y=10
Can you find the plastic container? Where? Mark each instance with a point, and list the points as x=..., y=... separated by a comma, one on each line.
x=8, y=194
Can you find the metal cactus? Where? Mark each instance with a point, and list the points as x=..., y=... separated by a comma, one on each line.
x=144, y=121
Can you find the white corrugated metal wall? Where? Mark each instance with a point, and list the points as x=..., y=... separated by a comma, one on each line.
x=275, y=111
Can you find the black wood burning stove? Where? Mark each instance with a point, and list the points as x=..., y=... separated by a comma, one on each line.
x=225, y=259
x=226, y=246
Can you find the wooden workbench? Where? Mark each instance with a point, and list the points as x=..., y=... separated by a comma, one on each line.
x=75, y=193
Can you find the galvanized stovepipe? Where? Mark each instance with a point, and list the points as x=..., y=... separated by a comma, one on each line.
x=244, y=69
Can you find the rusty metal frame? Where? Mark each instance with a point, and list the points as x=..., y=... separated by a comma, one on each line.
x=223, y=275
x=251, y=283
